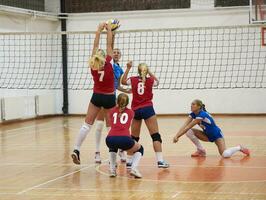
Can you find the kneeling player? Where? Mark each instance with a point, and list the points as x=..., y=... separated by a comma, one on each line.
x=119, y=136
x=210, y=133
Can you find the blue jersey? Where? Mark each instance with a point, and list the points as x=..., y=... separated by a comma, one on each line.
x=207, y=122
x=118, y=72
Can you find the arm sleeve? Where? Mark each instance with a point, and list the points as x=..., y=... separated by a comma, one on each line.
x=201, y=115
x=192, y=115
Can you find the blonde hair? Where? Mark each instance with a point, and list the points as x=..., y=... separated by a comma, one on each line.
x=143, y=71
x=200, y=104
x=97, y=61
x=122, y=102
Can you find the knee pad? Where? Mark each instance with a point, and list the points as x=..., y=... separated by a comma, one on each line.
x=156, y=137
x=226, y=154
x=135, y=138
x=113, y=150
x=141, y=150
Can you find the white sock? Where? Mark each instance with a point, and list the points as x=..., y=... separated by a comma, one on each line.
x=230, y=151
x=98, y=134
x=112, y=160
x=83, y=132
x=129, y=158
x=159, y=156
x=135, y=160
x=190, y=134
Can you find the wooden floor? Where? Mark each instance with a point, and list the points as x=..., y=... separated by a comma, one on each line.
x=35, y=164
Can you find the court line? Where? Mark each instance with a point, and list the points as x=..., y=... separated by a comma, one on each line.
x=29, y=132
x=55, y=179
x=26, y=127
x=175, y=195
x=210, y=166
x=97, y=168
x=140, y=190
x=70, y=164
x=40, y=164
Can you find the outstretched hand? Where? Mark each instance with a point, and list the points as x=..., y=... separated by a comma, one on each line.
x=101, y=26
x=108, y=26
x=129, y=64
x=175, y=139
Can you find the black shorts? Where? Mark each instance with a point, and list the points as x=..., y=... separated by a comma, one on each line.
x=119, y=142
x=144, y=113
x=106, y=101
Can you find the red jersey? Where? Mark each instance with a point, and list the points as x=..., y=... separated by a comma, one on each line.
x=120, y=124
x=142, y=92
x=104, y=79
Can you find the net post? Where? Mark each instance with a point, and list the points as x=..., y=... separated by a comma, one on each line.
x=263, y=30
x=64, y=57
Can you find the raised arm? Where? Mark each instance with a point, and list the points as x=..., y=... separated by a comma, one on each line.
x=187, y=125
x=97, y=38
x=124, y=78
x=109, y=43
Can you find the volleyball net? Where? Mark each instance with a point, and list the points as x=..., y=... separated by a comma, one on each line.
x=187, y=58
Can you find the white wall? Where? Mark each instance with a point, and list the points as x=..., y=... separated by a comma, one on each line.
x=166, y=101
x=177, y=101
x=11, y=22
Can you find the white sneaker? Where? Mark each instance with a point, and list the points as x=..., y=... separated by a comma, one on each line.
x=97, y=158
x=113, y=173
x=123, y=156
x=135, y=173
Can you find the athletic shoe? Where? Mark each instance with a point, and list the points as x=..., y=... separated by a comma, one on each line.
x=123, y=156
x=244, y=150
x=97, y=158
x=75, y=157
x=135, y=173
x=113, y=173
x=129, y=165
x=163, y=164
x=199, y=153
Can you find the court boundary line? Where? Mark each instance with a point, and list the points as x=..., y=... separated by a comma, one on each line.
x=55, y=179
x=97, y=168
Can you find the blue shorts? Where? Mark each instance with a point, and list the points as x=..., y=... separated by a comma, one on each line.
x=119, y=142
x=144, y=113
x=214, y=135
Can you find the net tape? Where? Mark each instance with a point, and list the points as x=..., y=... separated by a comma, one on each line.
x=192, y=58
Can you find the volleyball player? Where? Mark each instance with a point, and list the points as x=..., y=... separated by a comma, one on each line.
x=118, y=72
x=119, y=136
x=142, y=86
x=103, y=90
x=210, y=132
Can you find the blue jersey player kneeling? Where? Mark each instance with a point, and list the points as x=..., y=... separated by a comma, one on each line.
x=210, y=132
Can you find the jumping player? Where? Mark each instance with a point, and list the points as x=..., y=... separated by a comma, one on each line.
x=103, y=91
x=142, y=86
x=119, y=136
x=211, y=132
x=118, y=72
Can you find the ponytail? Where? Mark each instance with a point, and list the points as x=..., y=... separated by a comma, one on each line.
x=97, y=60
x=203, y=108
x=122, y=102
x=143, y=71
